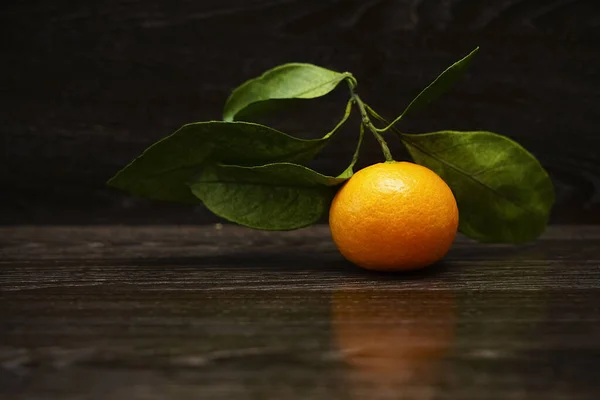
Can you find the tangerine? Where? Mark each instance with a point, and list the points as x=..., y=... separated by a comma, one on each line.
x=394, y=216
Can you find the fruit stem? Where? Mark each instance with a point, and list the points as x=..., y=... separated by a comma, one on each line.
x=352, y=82
x=384, y=147
x=385, y=121
x=366, y=121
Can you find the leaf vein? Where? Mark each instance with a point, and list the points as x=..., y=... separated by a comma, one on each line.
x=464, y=173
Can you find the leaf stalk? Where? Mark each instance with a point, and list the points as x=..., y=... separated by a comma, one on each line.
x=366, y=122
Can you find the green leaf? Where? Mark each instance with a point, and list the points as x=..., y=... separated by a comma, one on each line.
x=288, y=81
x=503, y=193
x=278, y=196
x=438, y=87
x=164, y=169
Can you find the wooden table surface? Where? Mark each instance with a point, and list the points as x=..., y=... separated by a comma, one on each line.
x=222, y=312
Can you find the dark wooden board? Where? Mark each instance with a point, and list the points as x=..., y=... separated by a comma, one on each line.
x=228, y=313
x=86, y=86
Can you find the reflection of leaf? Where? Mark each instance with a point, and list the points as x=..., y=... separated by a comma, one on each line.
x=502, y=191
x=288, y=81
x=278, y=196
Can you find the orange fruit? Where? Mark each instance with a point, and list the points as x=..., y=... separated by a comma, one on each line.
x=394, y=216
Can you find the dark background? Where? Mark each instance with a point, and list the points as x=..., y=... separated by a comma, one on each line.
x=86, y=86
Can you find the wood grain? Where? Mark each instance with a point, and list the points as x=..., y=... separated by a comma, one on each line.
x=185, y=312
x=86, y=87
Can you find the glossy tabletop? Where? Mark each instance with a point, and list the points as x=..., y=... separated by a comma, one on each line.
x=222, y=312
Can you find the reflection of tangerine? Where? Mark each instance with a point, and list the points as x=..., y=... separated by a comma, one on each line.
x=393, y=337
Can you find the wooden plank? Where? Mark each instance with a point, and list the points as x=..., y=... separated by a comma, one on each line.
x=86, y=87
x=229, y=313
x=224, y=256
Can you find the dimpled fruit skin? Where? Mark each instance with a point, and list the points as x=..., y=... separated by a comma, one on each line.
x=394, y=216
